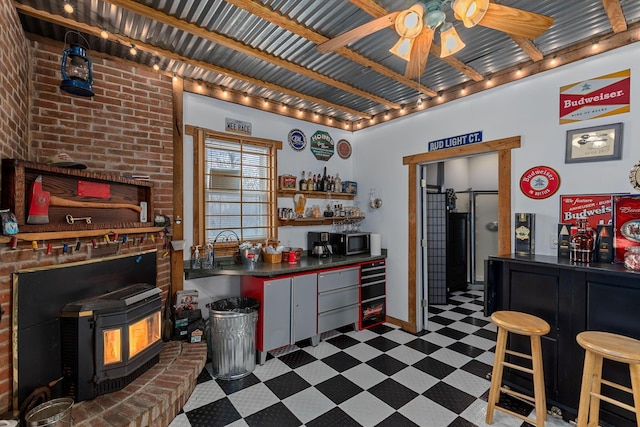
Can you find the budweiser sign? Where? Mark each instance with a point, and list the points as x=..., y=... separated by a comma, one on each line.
x=597, y=208
x=597, y=97
x=626, y=224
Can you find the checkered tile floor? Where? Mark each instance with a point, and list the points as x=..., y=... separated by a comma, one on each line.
x=377, y=377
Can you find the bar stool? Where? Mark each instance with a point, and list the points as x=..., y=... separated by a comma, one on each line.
x=599, y=345
x=533, y=327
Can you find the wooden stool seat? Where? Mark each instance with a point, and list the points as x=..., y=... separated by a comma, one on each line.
x=599, y=346
x=526, y=325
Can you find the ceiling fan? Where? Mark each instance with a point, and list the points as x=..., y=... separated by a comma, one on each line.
x=416, y=28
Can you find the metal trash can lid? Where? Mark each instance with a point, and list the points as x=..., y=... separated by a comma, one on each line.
x=235, y=304
x=50, y=412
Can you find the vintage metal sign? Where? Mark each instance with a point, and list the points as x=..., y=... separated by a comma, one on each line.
x=297, y=139
x=237, y=126
x=455, y=141
x=597, y=97
x=540, y=182
x=322, y=145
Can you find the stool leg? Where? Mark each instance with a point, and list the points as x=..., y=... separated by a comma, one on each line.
x=538, y=381
x=635, y=386
x=585, y=389
x=496, y=375
x=596, y=385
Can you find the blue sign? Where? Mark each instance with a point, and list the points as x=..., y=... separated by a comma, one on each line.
x=455, y=141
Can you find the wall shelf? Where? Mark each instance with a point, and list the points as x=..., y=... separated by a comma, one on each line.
x=317, y=194
x=299, y=222
x=52, y=235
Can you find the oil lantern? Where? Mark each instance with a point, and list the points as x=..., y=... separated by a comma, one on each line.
x=77, y=78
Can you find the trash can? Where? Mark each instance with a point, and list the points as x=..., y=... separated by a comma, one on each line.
x=232, y=333
x=53, y=413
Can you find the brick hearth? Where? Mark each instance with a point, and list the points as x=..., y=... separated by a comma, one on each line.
x=154, y=398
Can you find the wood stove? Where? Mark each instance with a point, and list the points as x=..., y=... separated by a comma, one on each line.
x=39, y=297
x=109, y=340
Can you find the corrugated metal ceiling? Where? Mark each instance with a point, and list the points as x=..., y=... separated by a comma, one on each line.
x=487, y=51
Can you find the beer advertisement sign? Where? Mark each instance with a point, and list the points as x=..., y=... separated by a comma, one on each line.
x=322, y=145
x=602, y=96
x=597, y=208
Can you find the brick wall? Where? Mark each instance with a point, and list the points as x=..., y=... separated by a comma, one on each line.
x=126, y=128
x=15, y=67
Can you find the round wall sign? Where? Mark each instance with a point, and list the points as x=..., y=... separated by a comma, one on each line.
x=540, y=182
x=297, y=139
x=344, y=149
x=634, y=176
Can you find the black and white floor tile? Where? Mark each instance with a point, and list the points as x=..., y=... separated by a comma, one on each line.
x=377, y=377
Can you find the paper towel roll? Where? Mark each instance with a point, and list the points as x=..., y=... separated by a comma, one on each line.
x=375, y=244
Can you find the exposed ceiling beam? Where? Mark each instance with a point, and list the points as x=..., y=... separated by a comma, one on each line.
x=528, y=47
x=377, y=11
x=292, y=26
x=127, y=41
x=229, y=43
x=616, y=17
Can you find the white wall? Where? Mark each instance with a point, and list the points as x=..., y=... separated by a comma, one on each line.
x=207, y=113
x=528, y=108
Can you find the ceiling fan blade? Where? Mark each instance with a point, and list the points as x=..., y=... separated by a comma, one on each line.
x=357, y=33
x=515, y=21
x=419, y=54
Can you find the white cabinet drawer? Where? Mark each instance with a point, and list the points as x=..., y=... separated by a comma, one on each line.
x=338, y=298
x=337, y=279
x=336, y=318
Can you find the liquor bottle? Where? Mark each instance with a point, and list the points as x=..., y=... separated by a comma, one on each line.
x=309, y=182
x=303, y=183
x=315, y=183
x=582, y=243
x=324, y=180
x=525, y=234
x=338, y=184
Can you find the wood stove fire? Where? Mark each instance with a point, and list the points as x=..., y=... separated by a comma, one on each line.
x=109, y=340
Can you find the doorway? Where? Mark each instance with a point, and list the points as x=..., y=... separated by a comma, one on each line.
x=503, y=147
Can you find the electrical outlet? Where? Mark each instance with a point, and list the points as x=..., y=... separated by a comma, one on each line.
x=553, y=241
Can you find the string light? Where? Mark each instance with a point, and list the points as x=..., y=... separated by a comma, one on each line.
x=104, y=34
x=68, y=7
x=175, y=78
x=554, y=60
x=490, y=82
x=246, y=97
x=419, y=102
x=156, y=66
x=133, y=51
x=594, y=46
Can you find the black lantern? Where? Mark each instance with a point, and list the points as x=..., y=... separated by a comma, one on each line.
x=77, y=78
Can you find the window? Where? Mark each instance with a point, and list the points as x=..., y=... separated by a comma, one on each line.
x=234, y=187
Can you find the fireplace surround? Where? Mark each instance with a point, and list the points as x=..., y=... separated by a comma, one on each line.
x=39, y=296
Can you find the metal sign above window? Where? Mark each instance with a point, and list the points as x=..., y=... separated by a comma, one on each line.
x=455, y=141
x=237, y=126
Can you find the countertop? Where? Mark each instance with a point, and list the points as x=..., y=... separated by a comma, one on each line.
x=592, y=267
x=226, y=266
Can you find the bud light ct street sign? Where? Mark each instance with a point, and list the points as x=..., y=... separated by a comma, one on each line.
x=455, y=141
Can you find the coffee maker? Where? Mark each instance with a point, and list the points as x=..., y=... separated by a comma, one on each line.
x=318, y=244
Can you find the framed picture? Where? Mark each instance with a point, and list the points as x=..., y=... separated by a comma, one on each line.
x=594, y=144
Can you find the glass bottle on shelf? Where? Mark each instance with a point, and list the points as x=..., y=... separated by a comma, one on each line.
x=582, y=243
x=303, y=183
x=309, y=182
x=337, y=183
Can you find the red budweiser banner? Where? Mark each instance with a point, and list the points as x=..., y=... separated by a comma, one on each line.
x=597, y=97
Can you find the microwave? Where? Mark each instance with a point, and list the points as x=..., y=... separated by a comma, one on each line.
x=350, y=243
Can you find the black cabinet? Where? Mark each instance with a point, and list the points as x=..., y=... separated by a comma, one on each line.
x=457, y=249
x=571, y=298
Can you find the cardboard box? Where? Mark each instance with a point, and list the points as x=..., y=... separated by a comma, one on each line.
x=564, y=240
x=287, y=182
x=525, y=233
x=350, y=187
x=604, y=243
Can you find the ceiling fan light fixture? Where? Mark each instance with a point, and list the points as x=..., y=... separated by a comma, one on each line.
x=409, y=22
x=402, y=48
x=470, y=12
x=449, y=40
